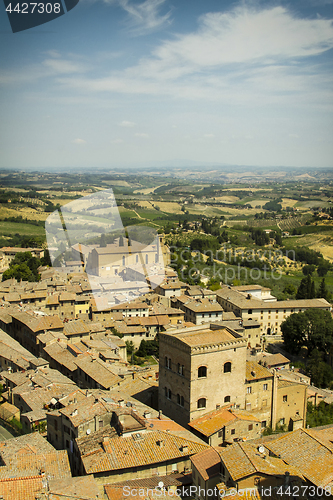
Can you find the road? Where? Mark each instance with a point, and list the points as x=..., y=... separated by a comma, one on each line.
x=4, y=434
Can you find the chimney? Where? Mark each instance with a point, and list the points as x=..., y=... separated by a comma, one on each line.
x=160, y=443
x=147, y=414
x=121, y=403
x=160, y=414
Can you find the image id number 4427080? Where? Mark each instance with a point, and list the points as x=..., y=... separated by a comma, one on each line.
x=300, y=491
x=32, y=7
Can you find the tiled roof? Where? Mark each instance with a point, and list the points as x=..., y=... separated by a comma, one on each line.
x=126, y=452
x=24, y=488
x=212, y=422
x=254, y=371
x=207, y=463
x=52, y=300
x=151, y=482
x=238, y=299
x=243, y=459
x=308, y=453
x=85, y=410
x=27, y=455
x=67, y=297
x=61, y=355
x=207, y=336
x=73, y=488
x=75, y=327
x=100, y=372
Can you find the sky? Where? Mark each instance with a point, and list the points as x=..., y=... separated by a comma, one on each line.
x=134, y=83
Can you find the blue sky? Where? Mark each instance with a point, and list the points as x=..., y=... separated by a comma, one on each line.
x=131, y=83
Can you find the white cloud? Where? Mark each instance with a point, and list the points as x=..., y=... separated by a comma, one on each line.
x=78, y=141
x=142, y=135
x=63, y=66
x=127, y=124
x=243, y=55
x=146, y=15
x=117, y=141
x=209, y=136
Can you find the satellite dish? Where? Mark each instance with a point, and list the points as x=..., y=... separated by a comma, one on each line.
x=261, y=449
x=88, y=431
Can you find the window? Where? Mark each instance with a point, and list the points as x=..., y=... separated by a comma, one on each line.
x=136, y=259
x=249, y=311
x=282, y=421
x=227, y=367
x=180, y=369
x=265, y=387
x=202, y=403
x=181, y=400
x=285, y=399
x=168, y=362
x=250, y=427
x=249, y=390
x=169, y=394
x=123, y=260
x=202, y=371
x=263, y=424
x=166, y=392
x=233, y=431
x=220, y=434
x=227, y=399
x=146, y=258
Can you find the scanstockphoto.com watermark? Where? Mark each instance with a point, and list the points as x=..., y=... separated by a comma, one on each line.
x=185, y=492
x=197, y=492
x=228, y=264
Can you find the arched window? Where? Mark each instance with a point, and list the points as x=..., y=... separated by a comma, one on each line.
x=146, y=258
x=166, y=392
x=136, y=259
x=178, y=399
x=227, y=399
x=227, y=367
x=202, y=403
x=123, y=260
x=202, y=371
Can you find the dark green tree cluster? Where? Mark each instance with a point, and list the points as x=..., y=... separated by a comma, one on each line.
x=23, y=267
x=312, y=329
x=273, y=205
x=319, y=415
x=321, y=373
x=306, y=289
x=259, y=236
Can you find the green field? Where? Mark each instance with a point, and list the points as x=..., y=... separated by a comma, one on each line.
x=11, y=228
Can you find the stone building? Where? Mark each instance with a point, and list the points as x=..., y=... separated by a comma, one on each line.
x=269, y=315
x=200, y=368
x=204, y=368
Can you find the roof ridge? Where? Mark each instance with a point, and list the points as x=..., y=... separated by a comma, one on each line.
x=247, y=456
x=318, y=440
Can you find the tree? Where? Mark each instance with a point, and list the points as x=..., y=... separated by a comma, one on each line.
x=306, y=289
x=129, y=347
x=323, y=292
x=308, y=269
x=320, y=372
x=102, y=243
x=312, y=329
x=293, y=333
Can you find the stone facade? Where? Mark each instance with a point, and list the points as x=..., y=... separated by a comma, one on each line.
x=200, y=370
